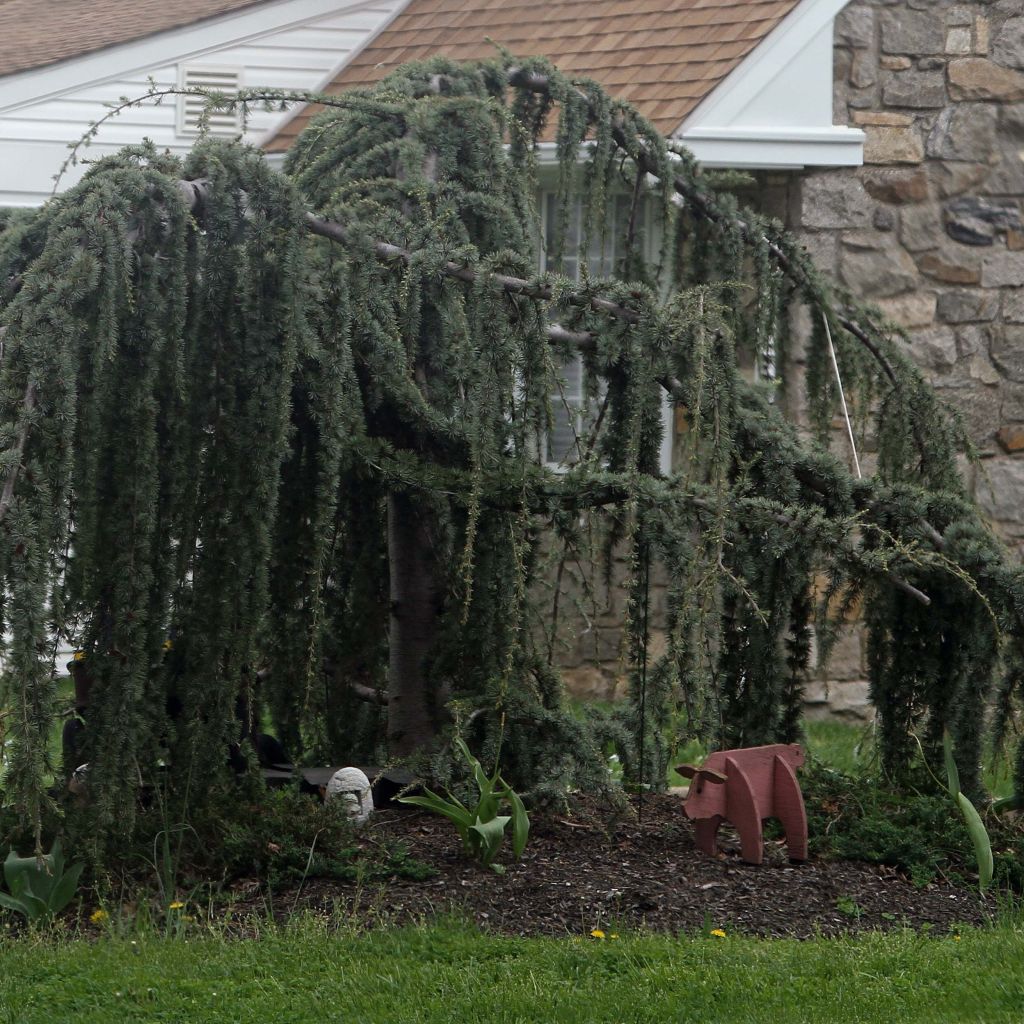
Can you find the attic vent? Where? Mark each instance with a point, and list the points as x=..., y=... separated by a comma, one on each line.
x=190, y=107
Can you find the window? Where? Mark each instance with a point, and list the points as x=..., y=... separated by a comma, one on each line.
x=603, y=259
x=190, y=106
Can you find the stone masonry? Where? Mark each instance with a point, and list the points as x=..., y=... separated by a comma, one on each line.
x=930, y=228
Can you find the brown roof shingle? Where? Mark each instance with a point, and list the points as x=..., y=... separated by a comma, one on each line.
x=34, y=33
x=664, y=56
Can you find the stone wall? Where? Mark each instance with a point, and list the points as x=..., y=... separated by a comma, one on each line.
x=930, y=228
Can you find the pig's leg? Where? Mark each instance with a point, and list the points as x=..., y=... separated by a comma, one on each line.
x=789, y=808
x=743, y=812
x=707, y=830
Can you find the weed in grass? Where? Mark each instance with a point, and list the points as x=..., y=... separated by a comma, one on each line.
x=850, y=907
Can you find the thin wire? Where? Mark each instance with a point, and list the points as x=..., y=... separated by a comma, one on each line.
x=642, y=655
x=842, y=396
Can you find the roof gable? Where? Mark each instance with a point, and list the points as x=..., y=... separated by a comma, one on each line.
x=664, y=56
x=37, y=33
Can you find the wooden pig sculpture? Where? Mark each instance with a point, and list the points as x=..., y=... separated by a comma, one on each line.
x=744, y=787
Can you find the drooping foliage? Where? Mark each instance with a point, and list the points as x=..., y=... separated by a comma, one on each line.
x=278, y=441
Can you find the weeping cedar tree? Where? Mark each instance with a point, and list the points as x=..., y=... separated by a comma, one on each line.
x=297, y=422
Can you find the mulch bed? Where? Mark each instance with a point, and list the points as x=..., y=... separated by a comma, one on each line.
x=584, y=873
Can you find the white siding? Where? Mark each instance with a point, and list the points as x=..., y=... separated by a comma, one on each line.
x=34, y=138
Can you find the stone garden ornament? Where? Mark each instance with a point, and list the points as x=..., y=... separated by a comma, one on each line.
x=352, y=788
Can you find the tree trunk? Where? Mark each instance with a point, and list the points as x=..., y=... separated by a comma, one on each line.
x=415, y=610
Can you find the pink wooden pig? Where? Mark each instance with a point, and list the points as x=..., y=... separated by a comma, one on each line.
x=744, y=787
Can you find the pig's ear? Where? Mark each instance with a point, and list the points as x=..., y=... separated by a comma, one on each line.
x=707, y=775
x=687, y=771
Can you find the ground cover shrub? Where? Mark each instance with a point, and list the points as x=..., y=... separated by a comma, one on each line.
x=283, y=836
x=915, y=829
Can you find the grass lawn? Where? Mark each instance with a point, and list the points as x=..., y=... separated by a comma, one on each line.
x=445, y=972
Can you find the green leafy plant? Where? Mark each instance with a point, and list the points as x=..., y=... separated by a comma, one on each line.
x=39, y=887
x=482, y=828
x=975, y=826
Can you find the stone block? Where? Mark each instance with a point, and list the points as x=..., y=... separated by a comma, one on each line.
x=1011, y=438
x=915, y=309
x=835, y=200
x=1001, y=495
x=1003, y=270
x=917, y=89
x=888, y=63
x=1007, y=347
x=959, y=17
x=950, y=178
x=593, y=683
x=958, y=40
x=966, y=131
x=1007, y=46
x=964, y=305
x=981, y=35
x=855, y=26
x=1013, y=307
x=911, y=32
x=930, y=63
x=863, y=69
x=921, y=228
x=975, y=78
x=974, y=221
x=823, y=249
x=1011, y=405
x=878, y=273
x=1007, y=176
x=972, y=340
x=885, y=118
x=839, y=701
x=934, y=349
x=978, y=406
x=979, y=367
x=952, y=264
x=884, y=145
x=885, y=219
x=896, y=184
x=846, y=659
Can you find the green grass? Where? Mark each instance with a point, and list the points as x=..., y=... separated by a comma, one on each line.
x=448, y=973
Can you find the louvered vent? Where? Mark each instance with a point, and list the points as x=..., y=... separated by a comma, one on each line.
x=190, y=108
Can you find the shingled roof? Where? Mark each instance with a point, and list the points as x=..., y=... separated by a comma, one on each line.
x=34, y=33
x=664, y=56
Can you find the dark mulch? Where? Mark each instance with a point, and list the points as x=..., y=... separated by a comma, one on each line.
x=583, y=873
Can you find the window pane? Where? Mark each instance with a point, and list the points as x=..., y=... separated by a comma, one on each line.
x=562, y=436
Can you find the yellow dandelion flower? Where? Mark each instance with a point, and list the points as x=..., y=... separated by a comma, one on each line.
x=168, y=645
x=613, y=936
x=99, y=917
x=718, y=933
x=597, y=933
x=176, y=905
x=956, y=938
x=78, y=656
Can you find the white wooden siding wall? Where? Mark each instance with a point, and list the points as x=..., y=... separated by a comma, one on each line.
x=34, y=139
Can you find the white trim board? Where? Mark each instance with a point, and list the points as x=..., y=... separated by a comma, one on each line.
x=35, y=85
x=774, y=110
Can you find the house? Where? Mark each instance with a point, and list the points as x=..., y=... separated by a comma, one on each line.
x=64, y=62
